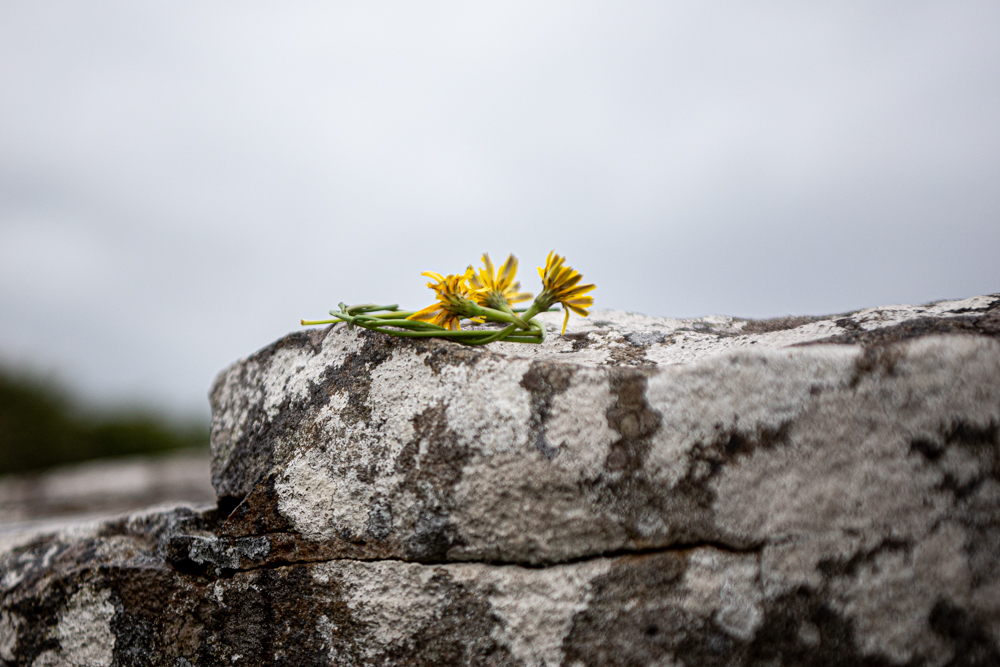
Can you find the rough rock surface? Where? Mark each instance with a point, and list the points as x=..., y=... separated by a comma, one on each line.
x=641, y=491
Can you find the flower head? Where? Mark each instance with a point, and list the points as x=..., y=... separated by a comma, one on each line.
x=453, y=301
x=560, y=286
x=496, y=289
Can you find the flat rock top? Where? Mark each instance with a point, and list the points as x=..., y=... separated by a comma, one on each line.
x=616, y=337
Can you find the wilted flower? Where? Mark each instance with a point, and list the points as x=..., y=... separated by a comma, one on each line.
x=454, y=300
x=496, y=289
x=560, y=283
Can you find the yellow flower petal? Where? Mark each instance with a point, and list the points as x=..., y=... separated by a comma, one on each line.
x=497, y=289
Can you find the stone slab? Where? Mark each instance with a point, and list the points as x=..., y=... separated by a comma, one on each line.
x=112, y=594
x=630, y=433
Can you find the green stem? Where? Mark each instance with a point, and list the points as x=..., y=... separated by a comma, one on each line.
x=403, y=324
x=391, y=314
x=531, y=312
x=499, y=315
x=446, y=333
x=522, y=339
x=519, y=329
x=361, y=308
x=499, y=335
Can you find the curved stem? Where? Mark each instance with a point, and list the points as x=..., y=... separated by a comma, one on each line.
x=499, y=335
x=494, y=314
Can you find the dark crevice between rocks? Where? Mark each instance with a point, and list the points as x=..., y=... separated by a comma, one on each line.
x=181, y=560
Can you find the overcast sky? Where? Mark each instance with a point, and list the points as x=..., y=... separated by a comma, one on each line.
x=181, y=182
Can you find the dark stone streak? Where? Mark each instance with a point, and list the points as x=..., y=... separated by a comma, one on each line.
x=970, y=637
x=440, y=468
x=623, y=482
x=780, y=639
x=605, y=633
x=634, y=420
x=257, y=514
x=837, y=567
x=252, y=457
x=984, y=325
x=974, y=498
x=251, y=453
x=544, y=381
x=778, y=324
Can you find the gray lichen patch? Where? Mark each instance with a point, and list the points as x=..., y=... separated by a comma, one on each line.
x=9, y=625
x=84, y=629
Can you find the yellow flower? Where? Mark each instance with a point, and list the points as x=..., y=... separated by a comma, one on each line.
x=453, y=300
x=496, y=289
x=560, y=286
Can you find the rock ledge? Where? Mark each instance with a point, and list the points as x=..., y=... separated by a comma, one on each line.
x=641, y=491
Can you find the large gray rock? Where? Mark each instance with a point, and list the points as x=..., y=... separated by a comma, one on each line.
x=642, y=491
x=630, y=433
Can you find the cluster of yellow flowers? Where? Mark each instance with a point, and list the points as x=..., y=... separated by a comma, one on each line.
x=486, y=295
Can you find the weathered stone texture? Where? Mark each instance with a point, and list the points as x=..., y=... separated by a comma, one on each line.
x=640, y=492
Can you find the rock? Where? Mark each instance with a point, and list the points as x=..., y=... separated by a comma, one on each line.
x=104, y=487
x=375, y=447
x=641, y=491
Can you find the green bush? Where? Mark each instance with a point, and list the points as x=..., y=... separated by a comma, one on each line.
x=40, y=427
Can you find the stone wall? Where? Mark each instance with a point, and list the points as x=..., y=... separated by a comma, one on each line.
x=641, y=491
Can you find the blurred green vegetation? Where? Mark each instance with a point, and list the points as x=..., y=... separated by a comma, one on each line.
x=40, y=427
